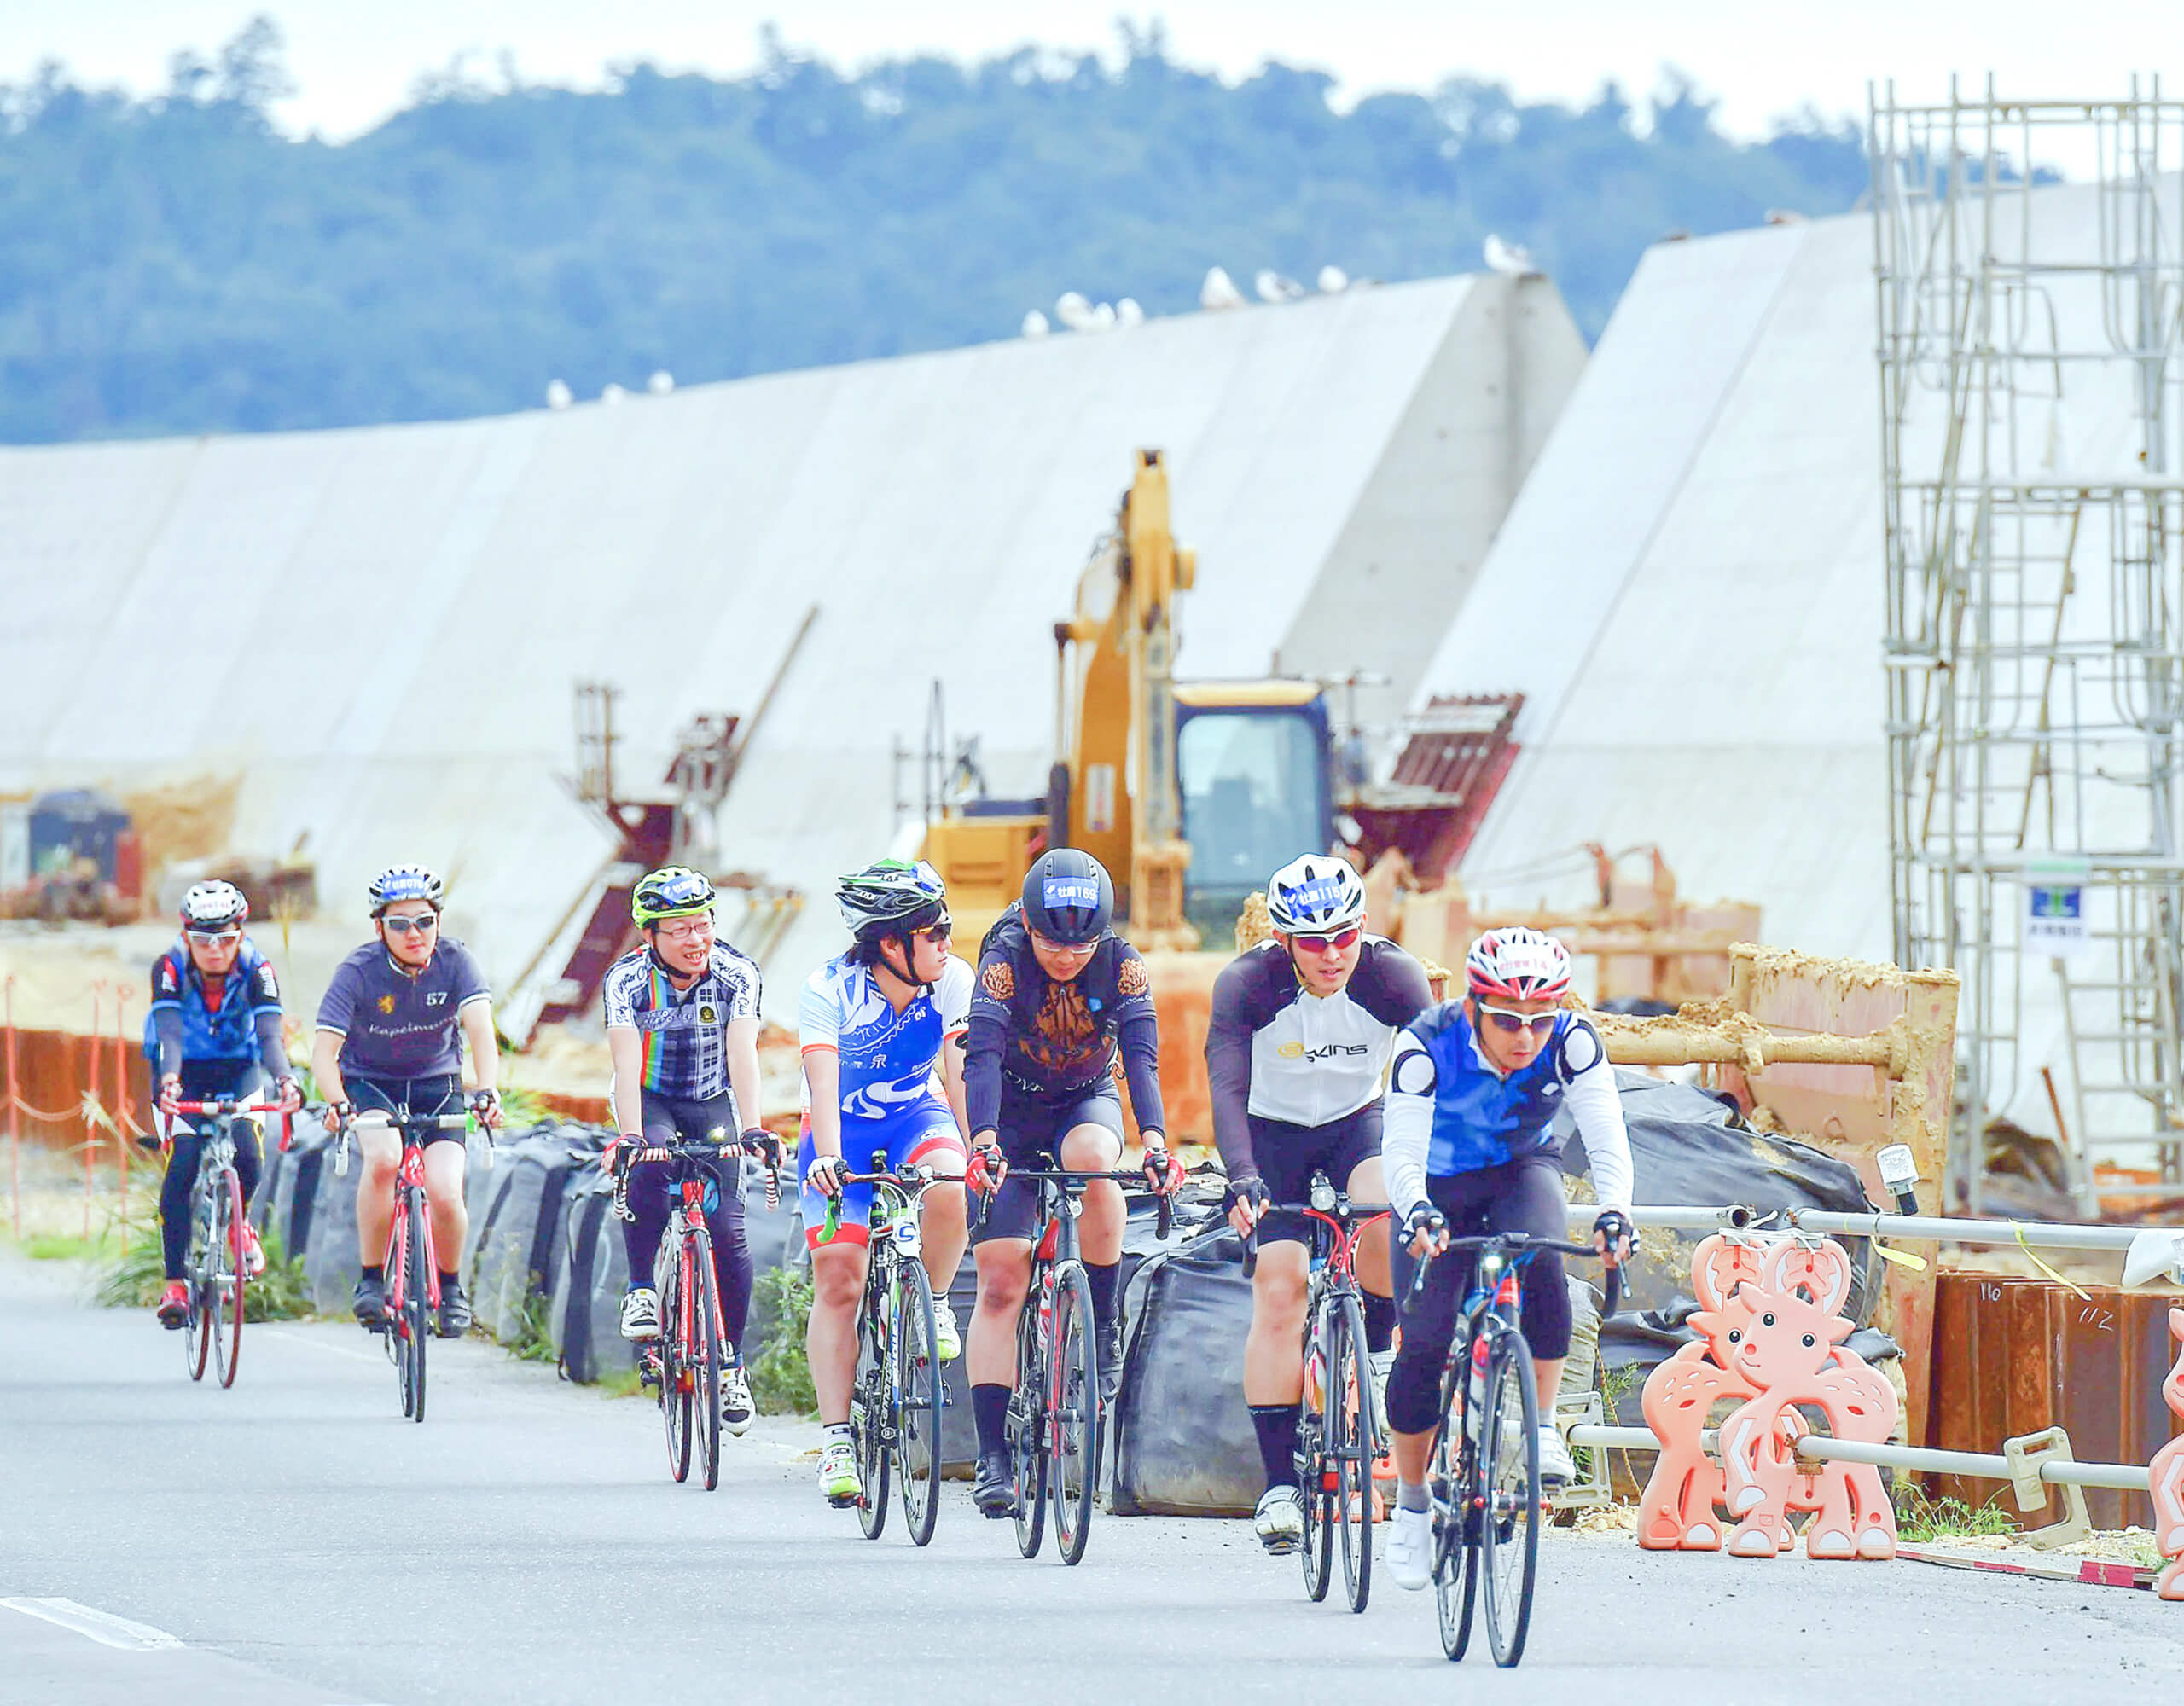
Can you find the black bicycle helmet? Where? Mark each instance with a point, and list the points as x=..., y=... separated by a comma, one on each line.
x=891, y=897
x=1068, y=896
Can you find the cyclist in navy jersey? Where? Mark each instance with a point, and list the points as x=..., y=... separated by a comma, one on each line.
x=392, y=1028
x=213, y=1032
x=1470, y=1148
x=1299, y=1036
x=1058, y=996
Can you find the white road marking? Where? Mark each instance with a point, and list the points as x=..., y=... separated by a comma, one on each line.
x=103, y=1627
x=317, y=1344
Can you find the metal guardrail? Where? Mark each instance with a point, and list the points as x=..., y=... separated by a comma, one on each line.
x=2059, y=1471
x=1926, y=1228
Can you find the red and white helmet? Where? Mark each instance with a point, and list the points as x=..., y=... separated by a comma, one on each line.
x=1517, y=965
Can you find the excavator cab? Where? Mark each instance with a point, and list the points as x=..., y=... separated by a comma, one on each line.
x=1252, y=767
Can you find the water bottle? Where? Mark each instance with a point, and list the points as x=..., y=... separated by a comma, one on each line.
x=1315, y=1380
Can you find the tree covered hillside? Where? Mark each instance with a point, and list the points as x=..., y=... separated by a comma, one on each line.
x=177, y=265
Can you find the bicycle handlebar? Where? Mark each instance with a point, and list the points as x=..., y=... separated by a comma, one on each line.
x=1521, y=1244
x=224, y=1105
x=1344, y=1211
x=1164, y=1201
x=626, y=1158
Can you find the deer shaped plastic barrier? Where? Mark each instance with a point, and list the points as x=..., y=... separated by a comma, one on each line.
x=1677, y=1512
x=2167, y=1471
x=1789, y=1350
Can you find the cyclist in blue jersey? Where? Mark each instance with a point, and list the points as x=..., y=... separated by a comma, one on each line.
x=213, y=1028
x=683, y=1029
x=881, y=1030
x=392, y=1028
x=1469, y=1148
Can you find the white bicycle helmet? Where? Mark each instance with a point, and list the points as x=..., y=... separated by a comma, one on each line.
x=891, y=897
x=1517, y=965
x=1314, y=895
x=214, y=905
x=405, y=883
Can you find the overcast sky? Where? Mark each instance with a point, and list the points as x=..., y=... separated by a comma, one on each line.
x=356, y=59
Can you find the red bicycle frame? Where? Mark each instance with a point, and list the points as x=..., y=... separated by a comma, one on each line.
x=409, y=1172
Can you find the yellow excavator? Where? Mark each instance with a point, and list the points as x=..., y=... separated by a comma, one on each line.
x=1191, y=794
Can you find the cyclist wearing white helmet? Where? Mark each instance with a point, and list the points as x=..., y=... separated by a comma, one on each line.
x=682, y=1012
x=392, y=1028
x=1298, y=1038
x=1473, y=1091
x=213, y=1027
x=874, y=1025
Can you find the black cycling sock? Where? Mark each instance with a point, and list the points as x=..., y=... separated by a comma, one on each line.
x=1106, y=1282
x=1276, y=1426
x=990, y=1410
x=375, y=1272
x=1379, y=1322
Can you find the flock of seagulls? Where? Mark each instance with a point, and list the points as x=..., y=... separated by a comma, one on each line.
x=1074, y=312
x=559, y=397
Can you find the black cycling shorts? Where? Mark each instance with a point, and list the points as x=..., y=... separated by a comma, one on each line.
x=1032, y=1129
x=438, y=1094
x=1288, y=1155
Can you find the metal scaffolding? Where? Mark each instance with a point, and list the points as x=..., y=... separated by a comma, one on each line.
x=2031, y=351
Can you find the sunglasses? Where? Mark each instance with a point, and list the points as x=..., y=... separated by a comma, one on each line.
x=1339, y=943
x=937, y=932
x=402, y=926
x=213, y=938
x=1511, y=1022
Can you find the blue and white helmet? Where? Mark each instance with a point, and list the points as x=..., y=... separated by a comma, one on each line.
x=405, y=883
x=1314, y=895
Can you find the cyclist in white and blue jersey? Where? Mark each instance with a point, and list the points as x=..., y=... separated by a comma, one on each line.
x=1469, y=1148
x=881, y=1032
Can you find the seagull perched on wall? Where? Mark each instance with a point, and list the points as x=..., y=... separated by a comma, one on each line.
x=558, y=395
x=1073, y=310
x=1272, y=287
x=1333, y=281
x=660, y=383
x=1510, y=259
x=1035, y=325
x=1128, y=312
x=1219, y=290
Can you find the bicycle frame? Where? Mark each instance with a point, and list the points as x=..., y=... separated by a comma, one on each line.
x=222, y=1290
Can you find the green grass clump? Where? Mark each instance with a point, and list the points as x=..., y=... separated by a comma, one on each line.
x=780, y=1377
x=532, y=1340
x=1918, y=1517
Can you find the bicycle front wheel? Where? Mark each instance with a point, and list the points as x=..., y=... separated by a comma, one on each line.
x=871, y=1401
x=230, y=1274
x=1351, y=1448
x=416, y=1314
x=1315, y=1473
x=1451, y=1482
x=1073, y=1406
x=1027, y=1427
x=917, y=1401
x=675, y=1377
x=705, y=1349
x=1509, y=1471
x=201, y=1270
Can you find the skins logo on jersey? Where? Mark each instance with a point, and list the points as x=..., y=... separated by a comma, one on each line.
x=1293, y=1050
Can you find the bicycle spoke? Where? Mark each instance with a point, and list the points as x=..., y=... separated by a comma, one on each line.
x=674, y=1376
x=1074, y=1400
x=1349, y=1425
x=700, y=1315
x=1314, y=1470
x=917, y=1401
x=1510, y=1524
x=1455, y=1576
x=871, y=1407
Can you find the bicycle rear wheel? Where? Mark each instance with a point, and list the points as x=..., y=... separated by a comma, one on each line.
x=1313, y=1468
x=675, y=1379
x=871, y=1402
x=1350, y=1447
x=416, y=1301
x=1509, y=1473
x=1450, y=1482
x=230, y=1274
x=917, y=1401
x=1026, y=1427
x=706, y=1350
x=197, y=1341
x=1073, y=1403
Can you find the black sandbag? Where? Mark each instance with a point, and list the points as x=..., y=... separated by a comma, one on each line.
x=515, y=1209
x=1180, y=1442
x=585, y=1305
x=330, y=1259
x=1688, y=1149
x=288, y=1193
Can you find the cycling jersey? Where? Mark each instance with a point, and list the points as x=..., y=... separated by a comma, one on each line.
x=1450, y=1113
x=1275, y=1052
x=684, y=1032
x=887, y=1058
x=395, y=1024
x=187, y=1022
x=1058, y=1041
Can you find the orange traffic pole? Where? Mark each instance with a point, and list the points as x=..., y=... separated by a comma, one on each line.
x=124, y=1140
x=14, y=1111
x=91, y=1099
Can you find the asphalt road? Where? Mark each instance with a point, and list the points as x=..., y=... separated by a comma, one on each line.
x=294, y=1540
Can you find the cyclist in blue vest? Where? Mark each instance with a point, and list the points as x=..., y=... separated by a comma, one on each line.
x=213, y=1028
x=1469, y=1148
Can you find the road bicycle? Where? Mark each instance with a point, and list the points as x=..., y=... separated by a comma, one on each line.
x=895, y=1406
x=1339, y=1432
x=686, y=1363
x=1484, y=1474
x=1053, y=1425
x=410, y=1263
x=214, y=1270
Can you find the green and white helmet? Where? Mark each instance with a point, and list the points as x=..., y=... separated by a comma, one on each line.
x=892, y=898
x=671, y=892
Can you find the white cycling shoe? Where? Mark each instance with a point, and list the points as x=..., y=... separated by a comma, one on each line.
x=736, y=1408
x=1279, y=1522
x=947, y=1336
x=1408, y=1553
x=1556, y=1466
x=641, y=1313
